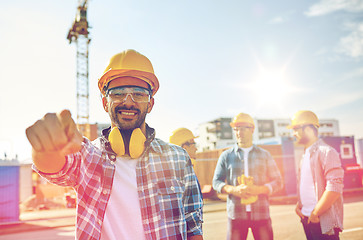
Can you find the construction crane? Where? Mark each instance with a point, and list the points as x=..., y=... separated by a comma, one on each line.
x=78, y=33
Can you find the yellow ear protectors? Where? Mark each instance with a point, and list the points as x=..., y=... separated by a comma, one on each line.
x=136, y=145
x=247, y=181
x=117, y=141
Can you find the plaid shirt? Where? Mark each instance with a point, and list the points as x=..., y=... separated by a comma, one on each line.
x=169, y=192
x=261, y=167
x=328, y=175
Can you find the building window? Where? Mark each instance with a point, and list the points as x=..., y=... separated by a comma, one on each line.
x=327, y=134
x=346, y=151
x=326, y=125
x=226, y=135
x=265, y=128
x=282, y=124
x=283, y=134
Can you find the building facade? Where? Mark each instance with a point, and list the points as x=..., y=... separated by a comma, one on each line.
x=215, y=134
x=218, y=134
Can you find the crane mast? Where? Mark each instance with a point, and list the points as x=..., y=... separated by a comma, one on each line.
x=78, y=33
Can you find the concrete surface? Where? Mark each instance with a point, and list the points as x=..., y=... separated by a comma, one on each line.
x=55, y=218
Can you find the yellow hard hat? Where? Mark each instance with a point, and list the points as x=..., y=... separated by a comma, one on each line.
x=129, y=63
x=242, y=119
x=180, y=136
x=304, y=117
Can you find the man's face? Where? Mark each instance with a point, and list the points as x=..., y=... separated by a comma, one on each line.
x=244, y=135
x=191, y=148
x=126, y=114
x=300, y=135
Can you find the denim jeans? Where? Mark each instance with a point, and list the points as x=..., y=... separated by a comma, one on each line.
x=238, y=229
x=313, y=231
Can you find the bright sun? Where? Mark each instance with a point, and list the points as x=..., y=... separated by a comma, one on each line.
x=271, y=87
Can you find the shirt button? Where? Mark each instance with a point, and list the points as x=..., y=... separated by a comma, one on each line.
x=113, y=157
x=104, y=192
x=172, y=188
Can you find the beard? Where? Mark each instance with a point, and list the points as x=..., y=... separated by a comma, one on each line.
x=124, y=124
x=303, y=140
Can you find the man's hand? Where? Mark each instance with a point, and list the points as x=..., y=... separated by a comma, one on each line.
x=298, y=211
x=52, y=138
x=325, y=202
x=238, y=191
x=253, y=190
x=313, y=218
x=195, y=237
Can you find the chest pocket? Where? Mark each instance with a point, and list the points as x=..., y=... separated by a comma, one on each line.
x=170, y=195
x=234, y=171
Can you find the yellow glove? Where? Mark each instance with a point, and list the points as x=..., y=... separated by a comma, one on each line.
x=248, y=181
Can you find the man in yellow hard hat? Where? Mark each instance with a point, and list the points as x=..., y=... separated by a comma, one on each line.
x=320, y=181
x=185, y=138
x=130, y=185
x=248, y=174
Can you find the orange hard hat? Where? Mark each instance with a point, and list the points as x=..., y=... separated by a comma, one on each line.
x=129, y=63
x=304, y=117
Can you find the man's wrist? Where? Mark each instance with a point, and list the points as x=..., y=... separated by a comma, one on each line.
x=232, y=189
x=261, y=190
x=227, y=189
x=314, y=214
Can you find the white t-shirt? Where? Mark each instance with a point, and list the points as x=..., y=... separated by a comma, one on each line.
x=123, y=215
x=307, y=189
x=246, y=151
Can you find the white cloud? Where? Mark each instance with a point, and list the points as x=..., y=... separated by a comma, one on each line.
x=352, y=45
x=326, y=103
x=357, y=73
x=277, y=20
x=282, y=17
x=328, y=6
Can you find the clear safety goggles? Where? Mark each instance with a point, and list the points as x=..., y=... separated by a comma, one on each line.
x=189, y=143
x=242, y=128
x=137, y=94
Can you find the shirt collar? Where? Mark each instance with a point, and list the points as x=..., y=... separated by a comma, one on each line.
x=315, y=145
x=236, y=148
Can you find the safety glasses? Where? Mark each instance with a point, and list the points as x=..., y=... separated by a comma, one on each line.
x=242, y=128
x=137, y=94
x=189, y=143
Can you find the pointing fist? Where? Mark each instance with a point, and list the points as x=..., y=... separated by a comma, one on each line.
x=52, y=138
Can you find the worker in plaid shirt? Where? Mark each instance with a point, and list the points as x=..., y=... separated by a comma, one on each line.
x=129, y=184
x=248, y=174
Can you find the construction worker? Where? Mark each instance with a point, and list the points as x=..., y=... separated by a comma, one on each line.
x=251, y=175
x=130, y=185
x=320, y=181
x=184, y=137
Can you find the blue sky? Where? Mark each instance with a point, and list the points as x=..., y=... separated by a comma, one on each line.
x=213, y=59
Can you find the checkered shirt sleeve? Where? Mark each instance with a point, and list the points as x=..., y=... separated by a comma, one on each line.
x=169, y=192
